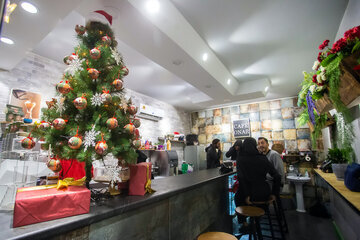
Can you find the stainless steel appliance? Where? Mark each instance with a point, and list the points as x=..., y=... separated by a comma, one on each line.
x=196, y=156
x=165, y=162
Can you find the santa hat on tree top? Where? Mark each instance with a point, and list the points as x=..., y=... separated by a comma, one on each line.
x=100, y=16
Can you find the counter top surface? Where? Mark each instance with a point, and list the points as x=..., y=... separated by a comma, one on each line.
x=165, y=188
x=352, y=197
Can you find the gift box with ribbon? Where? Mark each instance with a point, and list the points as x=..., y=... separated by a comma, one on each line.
x=140, y=179
x=48, y=202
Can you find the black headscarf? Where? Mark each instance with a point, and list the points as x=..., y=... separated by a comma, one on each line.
x=249, y=147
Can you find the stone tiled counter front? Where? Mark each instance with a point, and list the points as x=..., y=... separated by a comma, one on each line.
x=181, y=208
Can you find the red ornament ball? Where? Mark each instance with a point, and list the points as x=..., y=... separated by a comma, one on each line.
x=44, y=125
x=118, y=84
x=59, y=123
x=95, y=53
x=132, y=109
x=137, y=144
x=80, y=29
x=28, y=143
x=125, y=71
x=136, y=122
x=93, y=73
x=112, y=123
x=136, y=133
x=107, y=98
x=101, y=147
x=54, y=165
x=106, y=39
x=80, y=103
x=72, y=57
x=129, y=128
x=75, y=142
x=63, y=87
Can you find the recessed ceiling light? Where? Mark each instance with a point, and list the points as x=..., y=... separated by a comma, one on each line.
x=266, y=88
x=205, y=57
x=6, y=40
x=29, y=7
x=228, y=81
x=153, y=6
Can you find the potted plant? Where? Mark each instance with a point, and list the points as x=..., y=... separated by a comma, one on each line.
x=339, y=159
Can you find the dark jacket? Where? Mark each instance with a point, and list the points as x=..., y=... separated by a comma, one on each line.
x=212, y=157
x=232, y=151
x=252, y=168
x=141, y=156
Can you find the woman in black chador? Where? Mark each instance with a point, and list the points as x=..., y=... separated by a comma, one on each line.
x=234, y=150
x=252, y=168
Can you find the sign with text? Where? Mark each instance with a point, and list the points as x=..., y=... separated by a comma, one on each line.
x=241, y=128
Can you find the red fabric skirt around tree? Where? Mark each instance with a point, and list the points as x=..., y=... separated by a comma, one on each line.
x=75, y=169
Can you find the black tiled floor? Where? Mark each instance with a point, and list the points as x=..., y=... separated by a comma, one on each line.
x=302, y=226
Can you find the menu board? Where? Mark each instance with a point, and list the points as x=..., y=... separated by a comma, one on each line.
x=241, y=128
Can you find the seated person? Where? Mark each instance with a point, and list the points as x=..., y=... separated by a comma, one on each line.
x=273, y=156
x=252, y=168
x=234, y=150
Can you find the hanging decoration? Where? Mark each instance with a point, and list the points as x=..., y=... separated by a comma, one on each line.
x=106, y=40
x=95, y=53
x=129, y=128
x=28, y=142
x=60, y=108
x=63, y=87
x=51, y=103
x=75, y=141
x=59, y=123
x=125, y=71
x=123, y=104
x=74, y=66
x=101, y=147
x=132, y=109
x=137, y=144
x=44, y=125
x=136, y=122
x=89, y=139
x=113, y=172
x=54, y=165
x=93, y=73
x=118, y=84
x=136, y=133
x=106, y=96
x=97, y=99
x=80, y=29
x=80, y=102
x=116, y=56
x=112, y=123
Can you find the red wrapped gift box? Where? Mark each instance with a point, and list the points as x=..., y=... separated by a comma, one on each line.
x=140, y=174
x=39, y=205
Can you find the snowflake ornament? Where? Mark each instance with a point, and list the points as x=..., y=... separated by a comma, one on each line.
x=114, y=174
x=60, y=108
x=97, y=99
x=116, y=55
x=74, y=66
x=90, y=137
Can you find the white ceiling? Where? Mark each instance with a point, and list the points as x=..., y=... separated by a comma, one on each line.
x=254, y=43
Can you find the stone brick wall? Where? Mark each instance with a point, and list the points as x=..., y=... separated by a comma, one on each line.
x=275, y=120
x=38, y=74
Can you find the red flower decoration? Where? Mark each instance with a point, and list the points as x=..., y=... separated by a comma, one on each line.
x=314, y=78
x=357, y=67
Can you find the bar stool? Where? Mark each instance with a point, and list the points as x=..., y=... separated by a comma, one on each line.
x=266, y=206
x=254, y=213
x=216, y=236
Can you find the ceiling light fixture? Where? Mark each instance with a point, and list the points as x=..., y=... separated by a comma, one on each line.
x=266, y=88
x=7, y=40
x=153, y=6
x=228, y=81
x=205, y=57
x=29, y=7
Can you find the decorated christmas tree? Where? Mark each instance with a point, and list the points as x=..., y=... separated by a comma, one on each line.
x=91, y=117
